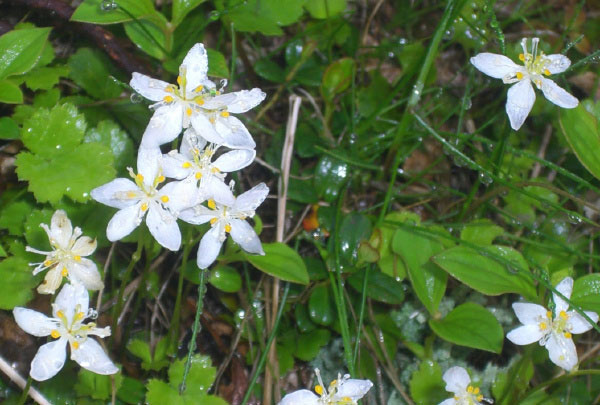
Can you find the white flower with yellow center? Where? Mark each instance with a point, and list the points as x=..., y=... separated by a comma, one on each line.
x=343, y=391
x=521, y=96
x=142, y=196
x=67, y=258
x=196, y=101
x=194, y=163
x=69, y=311
x=554, y=333
x=224, y=219
x=458, y=382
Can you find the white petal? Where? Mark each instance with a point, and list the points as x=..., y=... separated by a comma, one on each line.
x=205, y=129
x=300, y=397
x=524, y=335
x=61, y=228
x=243, y=234
x=449, y=401
x=149, y=162
x=182, y=194
x=52, y=280
x=251, y=199
x=234, y=133
x=353, y=388
x=49, y=359
x=209, y=247
x=33, y=322
x=191, y=140
x=579, y=324
x=494, y=65
x=457, y=379
x=150, y=88
x=519, y=102
x=163, y=226
x=565, y=287
x=197, y=215
x=557, y=95
x=164, y=126
x=91, y=356
x=114, y=194
x=216, y=189
x=234, y=160
x=70, y=299
x=562, y=351
x=529, y=314
x=84, y=246
x=172, y=165
x=124, y=222
x=86, y=273
x=196, y=66
x=558, y=63
x=238, y=102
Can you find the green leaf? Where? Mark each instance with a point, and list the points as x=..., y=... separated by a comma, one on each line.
x=199, y=379
x=355, y=228
x=325, y=8
x=10, y=93
x=95, y=385
x=12, y=217
x=9, y=128
x=17, y=282
x=112, y=11
x=302, y=318
x=415, y=250
x=337, y=78
x=225, y=278
x=310, y=343
x=138, y=35
x=380, y=286
x=161, y=393
x=485, y=272
x=181, y=8
x=217, y=65
x=330, y=175
x=265, y=16
x=20, y=50
x=426, y=386
x=513, y=383
x=45, y=78
x=586, y=292
x=580, y=128
x=91, y=69
x=109, y=134
x=280, y=261
x=320, y=305
x=269, y=70
x=140, y=349
x=481, y=232
x=131, y=391
x=470, y=325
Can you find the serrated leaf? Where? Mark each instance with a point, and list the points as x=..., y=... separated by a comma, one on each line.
x=161, y=393
x=44, y=78
x=470, y=325
x=20, y=50
x=281, y=261
x=199, y=379
x=426, y=386
x=109, y=134
x=140, y=349
x=217, y=65
x=12, y=217
x=17, y=282
x=91, y=69
x=9, y=128
x=112, y=11
x=10, y=93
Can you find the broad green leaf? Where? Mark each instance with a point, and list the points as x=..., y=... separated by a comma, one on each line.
x=34, y=234
x=20, y=50
x=12, y=216
x=381, y=239
x=45, y=78
x=337, y=78
x=310, y=343
x=426, y=385
x=225, y=278
x=481, y=232
x=139, y=36
x=131, y=391
x=10, y=93
x=95, y=385
x=265, y=16
x=181, y=8
x=380, y=286
x=514, y=382
x=112, y=11
x=280, y=261
x=50, y=131
x=586, y=292
x=200, y=378
x=580, y=128
x=330, y=175
x=320, y=305
x=217, y=65
x=485, y=272
x=325, y=8
x=109, y=134
x=355, y=227
x=285, y=359
x=161, y=393
x=140, y=349
x=415, y=250
x=91, y=69
x=9, y=128
x=269, y=70
x=17, y=282
x=470, y=325
x=303, y=319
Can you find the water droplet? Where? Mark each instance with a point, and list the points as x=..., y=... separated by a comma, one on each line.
x=68, y=189
x=85, y=195
x=108, y=5
x=222, y=84
x=214, y=15
x=468, y=104
x=575, y=218
x=485, y=179
x=136, y=98
x=58, y=146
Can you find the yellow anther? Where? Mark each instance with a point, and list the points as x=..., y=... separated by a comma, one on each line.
x=224, y=114
x=456, y=397
x=179, y=80
x=347, y=399
x=199, y=88
x=168, y=99
x=139, y=177
x=186, y=165
x=519, y=75
x=144, y=207
x=188, y=111
x=199, y=100
x=480, y=398
x=213, y=220
x=64, y=272
x=470, y=389
x=563, y=315
x=215, y=170
x=198, y=175
x=60, y=314
x=47, y=263
x=543, y=326
x=55, y=334
x=538, y=83
x=164, y=198
x=79, y=316
x=211, y=204
x=228, y=228
x=218, y=93
x=160, y=179
x=75, y=345
x=77, y=258
x=522, y=57
x=568, y=335
x=319, y=389
x=169, y=89
x=547, y=72
x=476, y=391
x=212, y=120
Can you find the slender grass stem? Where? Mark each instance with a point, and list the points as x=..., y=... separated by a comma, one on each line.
x=25, y=392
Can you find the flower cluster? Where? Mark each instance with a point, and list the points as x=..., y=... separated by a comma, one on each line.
x=197, y=192
x=458, y=382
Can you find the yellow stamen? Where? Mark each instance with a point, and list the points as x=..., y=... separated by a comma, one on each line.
x=188, y=111
x=198, y=176
x=144, y=207
x=347, y=399
x=47, y=263
x=179, y=80
x=199, y=88
x=199, y=100
x=225, y=114
x=543, y=326
x=164, y=198
x=169, y=89
x=319, y=389
x=212, y=120
x=211, y=204
x=139, y=177
x=568, y=335
x=77, y=258
x=186, y=165
x=547, y=72
x=563, y=315
x=456, y=397
x=55, y=334
x=160, y=179
x=519, y=75
x=228, y=228
x=218, y=93
x=215, y=170
x=522, y=57
x=64, y=272
x=213, y=220
x=60, y=314
x=168, y=99
x=476, y=391
x=470, y=389
x=480, y=398
x=79, y=316
x=75, y=345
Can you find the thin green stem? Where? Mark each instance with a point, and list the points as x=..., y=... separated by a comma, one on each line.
x=233, y=58
x=174, y=329
x=361, y=315
x=25, y=392
x=562, y=378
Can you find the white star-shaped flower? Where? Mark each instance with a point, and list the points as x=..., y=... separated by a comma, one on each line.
x=67, y=258
x=521, y=96
x=554, y=333
x=196, y=101
x=458, y=382
x=69, y=311
x=226, y=219
x=143, y=195
x=193, y=164
x=343, y=391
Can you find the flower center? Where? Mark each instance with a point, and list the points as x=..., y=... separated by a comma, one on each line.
x=535, y=65
x=470, y=397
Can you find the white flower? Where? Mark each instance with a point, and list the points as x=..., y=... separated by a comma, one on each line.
x=136, y=198
x=227, y=219
x=343, y=391
x=459, y=383
x=67, y=256
x=521, y=96
x=553, y=333
x=66, y=326
x=195, y=100
x=194, y=163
